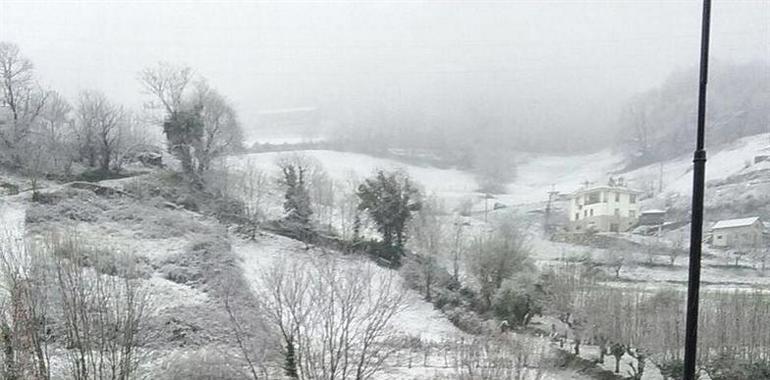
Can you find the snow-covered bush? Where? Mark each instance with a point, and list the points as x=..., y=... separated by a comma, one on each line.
x=517, y=301
x=466, y=320
x=207, y=264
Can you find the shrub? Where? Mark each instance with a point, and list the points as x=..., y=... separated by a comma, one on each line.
x=203, y=365
x=97, y=175
x=465, y=320
x=9, y=188
x=102, y=260
x=208, y=264
x=68, y=204
x=516, y=303
x=447, y=298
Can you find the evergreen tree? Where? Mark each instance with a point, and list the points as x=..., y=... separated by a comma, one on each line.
x=184, y=131
x=296, y=199
x=290, y=366
x=357, y=228
x=389, y=199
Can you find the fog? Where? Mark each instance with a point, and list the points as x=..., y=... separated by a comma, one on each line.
x=552, y=69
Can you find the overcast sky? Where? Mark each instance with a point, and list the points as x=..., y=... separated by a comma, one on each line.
x=266, y=55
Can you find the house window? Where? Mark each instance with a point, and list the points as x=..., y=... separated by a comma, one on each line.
x=577, y=216
x=617, y=212
x=614, y=227
x=617, y=197
x=592, y=212
x=592, y=198
x=632, y=198
x=631, y=214
x=719, y=237
x=585, y=213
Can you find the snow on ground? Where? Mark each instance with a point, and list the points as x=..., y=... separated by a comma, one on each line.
x=538, y=174
x=722, y=163
x=651, y=372
x=341, y=165
x=261, y=137
x=419, y=319
x=167, y=295
x=11, y=220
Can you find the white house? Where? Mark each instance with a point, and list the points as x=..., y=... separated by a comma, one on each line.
x=737, y=233
x=607, y=208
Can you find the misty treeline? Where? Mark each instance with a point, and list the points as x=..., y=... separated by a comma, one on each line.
x=483, y=129
x=660, y=123
x=45, y=135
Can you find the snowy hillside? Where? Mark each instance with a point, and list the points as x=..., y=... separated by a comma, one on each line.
x=343, y=165
x=537, y=174
x=420, y=319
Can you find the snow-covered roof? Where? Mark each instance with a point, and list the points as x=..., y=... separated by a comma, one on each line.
x=731, y=223
x=621, y=189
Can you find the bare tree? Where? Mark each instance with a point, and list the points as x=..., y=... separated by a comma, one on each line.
x=497, y=257
x=221, y=129
x=505, y=356
x=101, y=127
x=252, y=187
x=23, y=97
x=199, y=124
x=25, y=308
x=322, y=194
x=335, y=321
x=457, y=248
x=346, y=203
x=635, y=116
x=615, y=259
x=134, y=137
x=428, y=241
x=102, y=314
x=56, y=132
x=167, y=83
x=248, y=329
x=677, y=249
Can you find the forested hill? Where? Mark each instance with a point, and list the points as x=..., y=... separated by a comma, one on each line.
x=660, y=123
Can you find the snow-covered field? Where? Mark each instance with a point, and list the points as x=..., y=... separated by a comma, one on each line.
x=420, y=319
x=537, y=174
x=261, y=138
x=722, y=163
x=344, y=165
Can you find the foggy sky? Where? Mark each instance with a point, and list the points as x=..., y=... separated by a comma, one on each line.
x=569, y=62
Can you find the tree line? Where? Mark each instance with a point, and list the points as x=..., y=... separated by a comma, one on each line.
x=45, y=135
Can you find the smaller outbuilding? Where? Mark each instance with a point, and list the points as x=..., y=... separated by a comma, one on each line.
x=652, y=217
x=738, y=233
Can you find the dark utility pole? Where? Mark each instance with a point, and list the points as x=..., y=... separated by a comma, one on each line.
x=696, y=227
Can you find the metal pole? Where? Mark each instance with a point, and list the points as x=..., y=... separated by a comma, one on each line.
x=696, y=226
